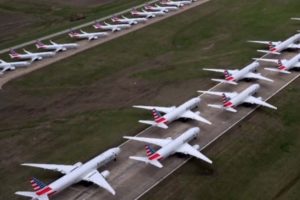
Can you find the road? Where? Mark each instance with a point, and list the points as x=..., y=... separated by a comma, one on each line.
x=84, y=45
x=132, y=179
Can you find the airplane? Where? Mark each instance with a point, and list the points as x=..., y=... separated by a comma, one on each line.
x=173, y=113
x=85, y=35
x=55, y=46
x=161, y=8
x=29, y=55
x=232, y=76
x=233, y=99
x=111, y=27
x=5, y=66
x=283, y=65
x=147, y=14
x=295, y=18
x=131, y=21
x=277, y=47
x=169, y=147
x=73, y=174
x=175, y=3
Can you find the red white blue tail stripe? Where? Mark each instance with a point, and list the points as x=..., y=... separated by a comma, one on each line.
x=39, y=44
x=157, y=117
x=13, y=54
x=226, y=101
x=37, y=184
x=40, y=188
x=280, y=65
x=271, y=47
x=228, y=76
x=151, y=153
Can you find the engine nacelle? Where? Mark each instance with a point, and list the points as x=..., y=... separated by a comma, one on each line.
x=196, y=146
x=105, y=173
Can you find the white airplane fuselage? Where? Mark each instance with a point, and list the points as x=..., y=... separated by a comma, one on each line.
x=172, y=3
x=239, y=98
x=242, y=73
x=38, y=55
x=13, y=65
x=62, y=47
x=286, y=44
x=81, y=171
x=171, y=147
x=289, y=64
x=89, y=36
x=131, y=21
x=177, y=112
x=114, y=27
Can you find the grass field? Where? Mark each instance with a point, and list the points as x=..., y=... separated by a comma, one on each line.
x=25, y=20
x=78, y=102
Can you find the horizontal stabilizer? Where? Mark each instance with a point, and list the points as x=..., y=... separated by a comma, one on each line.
x=155, y=163
x=278, y=70
x=32, y=195
x=153, y=123
x=268, y=52
x=224, y=81
x=222, y=107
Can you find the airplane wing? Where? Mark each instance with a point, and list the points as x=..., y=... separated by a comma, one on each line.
x=64, y=169
x=228, y=94
x=190, y=150
x=263, y=42
x=259, y=101
x=257, y=76
x=221, y=70
x=158, y=142
x=269, y=60
x=294, y=46
x=192, y=115
x=96, y=178
x=159, y=109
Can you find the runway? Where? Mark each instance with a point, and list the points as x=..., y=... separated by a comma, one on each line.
x=85, y=44
x=132, y=179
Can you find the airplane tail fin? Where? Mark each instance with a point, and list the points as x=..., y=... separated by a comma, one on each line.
x=37, y=184
x=13, y=53
x=228, y=76
x=97, y=25
x=39, y=44
x=152, y=157
x=281, y=68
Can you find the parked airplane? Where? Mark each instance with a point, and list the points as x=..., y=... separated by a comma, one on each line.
x=131, y=21
x=232, y=99
x=161, y=8
x=277, y=47
x=5, y=66
x=111, y=27
x=175, y=3
x=283, y=65
x=173, y=113
x=170, y=146
x=73, y=174
x=85, y=35
x=232, y=76
x=295, y=18
x=29, y=55
x=147, y=14
x=55, y=46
